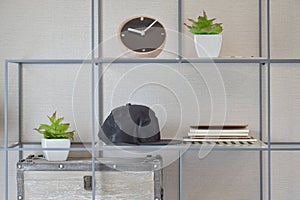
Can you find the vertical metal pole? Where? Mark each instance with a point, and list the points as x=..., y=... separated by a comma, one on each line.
x=99, y=27
x=260, y=130
x=100, y=92
x=260, y=99
x=180, y=60
x=180, y=30
x=180, y=175
x=20, y=106
x=93, y=95
x=6, y=175
x=269, y=97
x=6, y=128
x=260, y=27
x=100, y=105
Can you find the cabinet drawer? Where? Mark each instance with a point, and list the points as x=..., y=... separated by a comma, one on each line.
x=69, y=180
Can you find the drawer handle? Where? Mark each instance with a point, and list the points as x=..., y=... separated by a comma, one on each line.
x=87, y=182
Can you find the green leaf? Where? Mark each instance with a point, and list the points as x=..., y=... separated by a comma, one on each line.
x=39, y=130
x=214, y=29
x=191, y=20
x=48, y=135
x=52, y=118
x=204, y=14
x=45, y=127
x=202, y=23
x=189, y=27
x=59, y=120
x=63, y=127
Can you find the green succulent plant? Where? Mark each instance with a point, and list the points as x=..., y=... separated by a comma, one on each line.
x=204, y=25
x=56, y=129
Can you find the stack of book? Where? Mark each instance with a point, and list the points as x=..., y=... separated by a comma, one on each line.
x=219, y=133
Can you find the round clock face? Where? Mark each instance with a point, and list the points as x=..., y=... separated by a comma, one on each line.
x=143, y=35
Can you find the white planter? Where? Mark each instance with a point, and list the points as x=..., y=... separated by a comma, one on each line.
x=56, y=143
x=208, y=46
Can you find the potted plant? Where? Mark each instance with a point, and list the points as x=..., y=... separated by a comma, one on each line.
x=56, y=135
x=207, y=36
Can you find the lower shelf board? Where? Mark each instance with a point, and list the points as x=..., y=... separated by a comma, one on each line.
x=184, y=146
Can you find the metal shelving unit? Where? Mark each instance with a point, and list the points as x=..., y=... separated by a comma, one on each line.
x=96, y=63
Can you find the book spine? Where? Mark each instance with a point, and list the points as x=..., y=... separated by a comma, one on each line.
x=217, y=134
x=218, y=131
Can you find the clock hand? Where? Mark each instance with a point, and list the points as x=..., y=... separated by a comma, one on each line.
x=149, y=26
x=135, y=31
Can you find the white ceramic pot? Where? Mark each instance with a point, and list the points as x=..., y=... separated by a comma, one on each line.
x=208, y=46
x=56, y=143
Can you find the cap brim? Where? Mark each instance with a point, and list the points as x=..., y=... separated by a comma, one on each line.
x=161, y=142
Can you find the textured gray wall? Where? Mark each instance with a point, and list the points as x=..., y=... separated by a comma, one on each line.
x=61, y=29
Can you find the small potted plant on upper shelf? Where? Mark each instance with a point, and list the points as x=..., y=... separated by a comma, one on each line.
x=56, y=135
x=207, y=36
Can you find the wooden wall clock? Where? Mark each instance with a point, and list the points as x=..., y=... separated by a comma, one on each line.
x=143, y=37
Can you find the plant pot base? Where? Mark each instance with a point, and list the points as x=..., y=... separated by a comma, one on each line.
x=208, y=46
x=56, y=143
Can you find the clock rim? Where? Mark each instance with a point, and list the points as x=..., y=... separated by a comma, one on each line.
x=152, y=53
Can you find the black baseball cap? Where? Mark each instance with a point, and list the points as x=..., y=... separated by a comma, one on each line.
x=132, y=125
